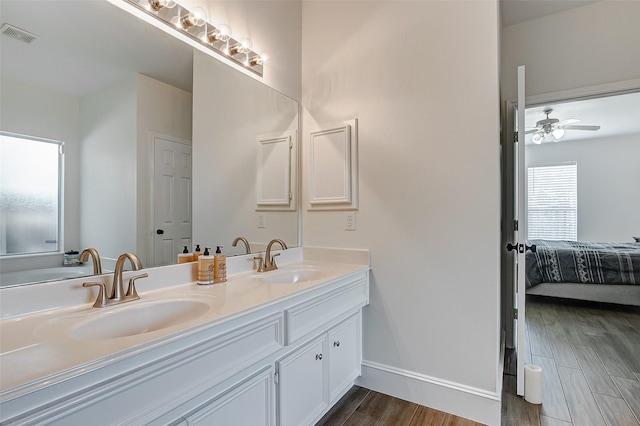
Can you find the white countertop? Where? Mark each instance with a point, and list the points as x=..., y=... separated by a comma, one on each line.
x=41, y=347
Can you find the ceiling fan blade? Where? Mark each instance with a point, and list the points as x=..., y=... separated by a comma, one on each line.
x=567, y=121
x=579, y=127
x=528, y=132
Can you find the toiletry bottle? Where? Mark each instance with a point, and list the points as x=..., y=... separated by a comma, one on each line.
x=185, y=256
x=220, y=266
x=205, y=268
x=71, y=258
x=197, y=253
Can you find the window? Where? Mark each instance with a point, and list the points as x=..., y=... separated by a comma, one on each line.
x=30, y=194
x=552, y=202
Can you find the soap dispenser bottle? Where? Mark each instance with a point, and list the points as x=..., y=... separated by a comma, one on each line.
x=219, y=266
x=205, y=268
x=185, y=256
x=197, y=253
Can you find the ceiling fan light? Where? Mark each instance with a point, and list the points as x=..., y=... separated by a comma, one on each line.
x=536, y=138
x=558, y=133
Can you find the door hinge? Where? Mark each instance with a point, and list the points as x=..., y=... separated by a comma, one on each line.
x=290, y=196
x=515, y=313
x=515, y=224
x=276, y=377
x=515, y=137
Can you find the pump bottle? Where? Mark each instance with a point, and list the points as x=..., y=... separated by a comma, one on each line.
x=220, y=266
x=185, y=256
x=205, y=268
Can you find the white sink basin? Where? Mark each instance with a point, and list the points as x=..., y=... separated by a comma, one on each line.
x=131, y=320
x=292, y=276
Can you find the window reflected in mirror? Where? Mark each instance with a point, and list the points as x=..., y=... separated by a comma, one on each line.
x=30, y=195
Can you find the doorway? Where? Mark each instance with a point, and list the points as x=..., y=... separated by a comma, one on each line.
x=171, y=198
x=608, y=169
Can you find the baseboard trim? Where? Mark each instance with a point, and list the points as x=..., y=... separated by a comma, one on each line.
x=464, y=401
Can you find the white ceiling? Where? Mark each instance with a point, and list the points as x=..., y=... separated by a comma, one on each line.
x=616, y=115
x=517, y=11
x=86, y=45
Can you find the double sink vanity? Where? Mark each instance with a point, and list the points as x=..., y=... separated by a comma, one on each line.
x=269, y=348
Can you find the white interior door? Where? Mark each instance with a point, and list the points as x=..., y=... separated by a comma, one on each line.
x=520, y=234
x=171, y=199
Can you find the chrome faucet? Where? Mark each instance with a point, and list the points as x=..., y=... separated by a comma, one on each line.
x=117, y=290
x=270, y=261
x=246, y=244
x=97, y=266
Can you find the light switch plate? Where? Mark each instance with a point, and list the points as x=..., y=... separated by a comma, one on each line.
x=261, y=221
x=350, y=221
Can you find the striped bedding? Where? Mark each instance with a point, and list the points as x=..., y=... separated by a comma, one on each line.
x=583, y=262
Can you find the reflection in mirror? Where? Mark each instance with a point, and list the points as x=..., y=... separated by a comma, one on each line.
x=107, y=95
x=226, y=160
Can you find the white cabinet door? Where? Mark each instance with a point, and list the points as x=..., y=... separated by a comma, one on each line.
x=344, y=355
x=249, y=403
x=302, y=382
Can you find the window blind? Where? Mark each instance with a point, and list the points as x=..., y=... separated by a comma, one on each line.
x=552, y=202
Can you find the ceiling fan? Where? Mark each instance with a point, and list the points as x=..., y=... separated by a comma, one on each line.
x=552, y=129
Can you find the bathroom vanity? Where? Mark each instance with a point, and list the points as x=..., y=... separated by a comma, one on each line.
x=273, y=348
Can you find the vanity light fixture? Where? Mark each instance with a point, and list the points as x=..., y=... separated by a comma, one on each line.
x=193, y=24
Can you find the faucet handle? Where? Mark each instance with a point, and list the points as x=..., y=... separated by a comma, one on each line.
x=273, y=260
x=260, y=263
x=101, y=300
x=131, y=290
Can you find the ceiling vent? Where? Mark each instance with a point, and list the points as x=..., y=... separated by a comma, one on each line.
x=17, y=33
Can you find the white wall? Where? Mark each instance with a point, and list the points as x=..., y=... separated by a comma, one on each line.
x=422, y=78
x=34, y=111
x=608, y=176
x=165, y=110
x=230, y=111
x=581, y=47
x=108, y=169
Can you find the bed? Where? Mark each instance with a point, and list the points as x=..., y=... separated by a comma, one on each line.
x=601, y=272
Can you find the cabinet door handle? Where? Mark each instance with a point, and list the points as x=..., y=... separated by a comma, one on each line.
x=336, y=343
x=318, y=356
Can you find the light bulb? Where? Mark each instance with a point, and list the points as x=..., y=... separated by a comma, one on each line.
x=259, y=60
x=558, y=133
x=157, y=5
x=244, y=46
x=222, y=33
x=536, y=138
x=193, y=18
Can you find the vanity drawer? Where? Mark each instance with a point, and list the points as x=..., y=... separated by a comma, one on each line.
x=311, y=315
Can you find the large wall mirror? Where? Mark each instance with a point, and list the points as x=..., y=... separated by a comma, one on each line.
x=125, y=99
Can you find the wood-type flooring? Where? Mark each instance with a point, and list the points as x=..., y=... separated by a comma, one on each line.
x=590, y=356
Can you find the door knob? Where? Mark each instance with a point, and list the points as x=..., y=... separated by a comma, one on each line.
x=532, y=247
x=159, y=231
x=511, y=247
